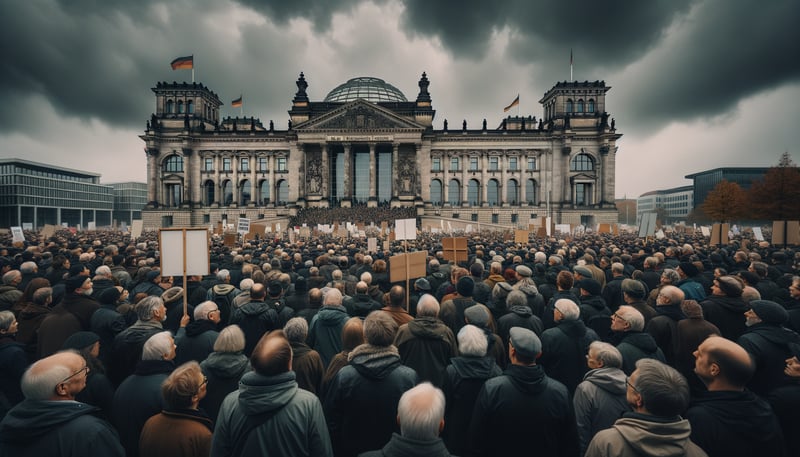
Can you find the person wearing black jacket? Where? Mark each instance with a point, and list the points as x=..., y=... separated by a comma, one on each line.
x=729, y=420
x=523, y=406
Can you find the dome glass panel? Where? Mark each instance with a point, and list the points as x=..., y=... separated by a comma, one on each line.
x=367, y=88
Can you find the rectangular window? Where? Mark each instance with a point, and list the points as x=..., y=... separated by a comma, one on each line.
x=262, y=164
x=531, y=163
x=454, y=164
x=581, y=194
x=493, y=164
x=244, y=164
x=473, y=164
x=226, y=164
x=495, y=219
x=514, y=218
x=436, y=164
x=281, y=164
x=474, y=217
x=512, y=163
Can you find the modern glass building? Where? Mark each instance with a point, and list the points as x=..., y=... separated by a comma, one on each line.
x=705, y=181
x=129, y=199
x=677, y=203
x=38, y=194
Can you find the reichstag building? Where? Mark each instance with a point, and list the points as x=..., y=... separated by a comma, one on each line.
x=366, y=144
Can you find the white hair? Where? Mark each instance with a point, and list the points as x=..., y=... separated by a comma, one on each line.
x=568, y=309
x=201, y=311
x=420, y=412
x=246, y=284
x=296, y=330
x=428, y=306
x=102, y=270
x=332, y=297
x=42, y=385
x=157, y=345
x=472, y=341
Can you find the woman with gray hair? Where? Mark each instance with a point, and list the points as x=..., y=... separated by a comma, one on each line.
x=223, y=368
x=306, y=362
x=463, y=380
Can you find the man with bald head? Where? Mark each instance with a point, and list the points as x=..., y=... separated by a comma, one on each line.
x=729, y=420
x=269, y=414
x=49, y=422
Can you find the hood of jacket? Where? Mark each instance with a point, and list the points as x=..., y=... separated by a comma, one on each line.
x=641, y=340
x=595, y=301
x=199, y=327
x=33, y=419
x=742, y=412
x=427, y=327
x=254, y=308
x=521, y=311
x=473, y=367
x=652, y=436
x=528, y=379
x=151, y=367
x=260, y=394
x=139, y=331
x=777, y=335
x=374, y=362
x=226, y=365
x=731, y=304
x=529, y=289
x=223, y=289
x=612, y=380
x=332, y=315
x=573, y=329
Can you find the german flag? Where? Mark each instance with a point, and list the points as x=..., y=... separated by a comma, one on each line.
x=513, y=104
x=237, y=103
x=183, y=63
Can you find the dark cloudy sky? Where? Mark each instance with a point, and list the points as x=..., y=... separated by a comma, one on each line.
x=695, y=84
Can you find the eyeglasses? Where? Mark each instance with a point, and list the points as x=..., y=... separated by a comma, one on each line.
x=212, y=312
x=84, y=369
x=616, y=316
x=205, y=381
x=628, y=382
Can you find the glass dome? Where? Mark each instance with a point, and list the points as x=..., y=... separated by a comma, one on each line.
x=370, y=89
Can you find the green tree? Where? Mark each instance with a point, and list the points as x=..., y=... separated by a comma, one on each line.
x=726, y=202
x=777, y=196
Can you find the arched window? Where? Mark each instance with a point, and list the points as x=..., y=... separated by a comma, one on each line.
x=492, y=190
x=190, y=107
x=245, y=192
x=170, y=107
x=590, y=106
x=581, y=162
x=512, y=192
x=436, y=192
x=208, y=193
x=174, y=164
x=180, y=107
x=569, y=105
x=474, y=192
x=580, y=105
x=227, y=192
x=454, y=192
x=530, y=192
x=283, y=192
x=264, y=192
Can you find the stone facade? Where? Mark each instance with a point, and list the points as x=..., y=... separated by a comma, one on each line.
x=380, y=152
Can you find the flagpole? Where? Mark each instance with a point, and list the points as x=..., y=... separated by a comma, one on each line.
x=192, y=68
x=570, y=65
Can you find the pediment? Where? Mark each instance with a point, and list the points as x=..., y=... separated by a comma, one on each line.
x=583, y=177
x=359, y=115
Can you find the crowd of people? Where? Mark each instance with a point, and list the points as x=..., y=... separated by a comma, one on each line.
x=598, y=345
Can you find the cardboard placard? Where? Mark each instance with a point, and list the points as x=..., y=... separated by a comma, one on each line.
x=16, y=235
x=407, y=266
x=229, y=240
x=405, y=229
x=521, y=236
x=719, y=233
x=184, y=245
x=454, y=249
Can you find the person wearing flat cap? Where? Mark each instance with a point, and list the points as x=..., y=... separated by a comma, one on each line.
x=769, y=344
x=725, y=307
x=72, y=314
x=149, y=285
x=523, y=409
x=692, y=288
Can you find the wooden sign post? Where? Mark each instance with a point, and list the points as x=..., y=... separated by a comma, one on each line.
x=404, y=267
x=454, y=249
x=184, y=252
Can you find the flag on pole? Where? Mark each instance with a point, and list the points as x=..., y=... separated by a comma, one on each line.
x=183, y=63
x=513, y=104
x=237, y=103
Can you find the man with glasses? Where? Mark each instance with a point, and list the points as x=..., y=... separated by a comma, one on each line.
x=657, y=394
x=195, y=340
x=49, y=422
x=633, y=343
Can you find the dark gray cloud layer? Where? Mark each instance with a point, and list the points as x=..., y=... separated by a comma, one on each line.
x=98, y=59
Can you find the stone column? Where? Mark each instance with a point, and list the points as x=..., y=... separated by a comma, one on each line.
x=484, y=179
x=464, y=179
x=348, y=175
x=235, y=182
x=152, y=174
x=373, y=177
x=395, y=159
x=253, y=178
x=445, y=179
x=217, y=183
x=273, y=188
x=325, y=191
